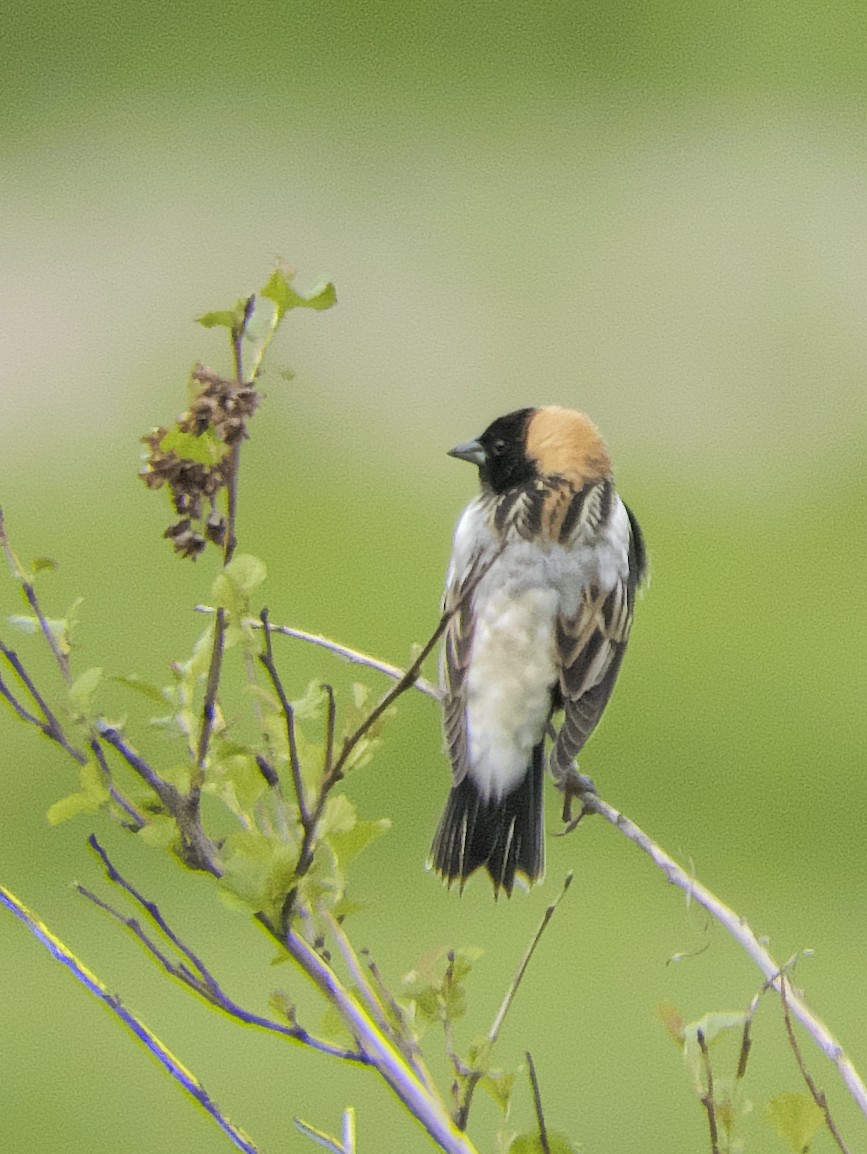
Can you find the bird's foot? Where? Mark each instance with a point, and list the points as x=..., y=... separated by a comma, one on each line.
x=575, y=786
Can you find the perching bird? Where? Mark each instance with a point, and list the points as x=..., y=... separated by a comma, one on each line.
x=557, y=558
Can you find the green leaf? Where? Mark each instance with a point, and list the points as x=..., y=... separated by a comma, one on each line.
x=224, y=318
x=232, y=587
x=83, y=688
x=311, y=705
x=201, y=449
x=43, y=564
x=436, y=983
x=499, y=1086
x=92, y=795
x=56, y=625
x=339, y=815
x=279, y=290
x=350, y=844
x=160, y=832
x=236, y=780
x=713, y=1026
x=672, y=1020
x=259, y=870
x=246, y=572
x=532, y=1144
x=145, y=688
x=795, y=1117
x=71, y=806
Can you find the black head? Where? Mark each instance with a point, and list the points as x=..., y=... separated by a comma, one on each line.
x=500, y=452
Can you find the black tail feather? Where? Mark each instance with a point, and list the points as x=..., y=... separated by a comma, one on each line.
x=504, y=836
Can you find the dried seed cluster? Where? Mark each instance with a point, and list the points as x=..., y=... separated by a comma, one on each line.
x=220, y=410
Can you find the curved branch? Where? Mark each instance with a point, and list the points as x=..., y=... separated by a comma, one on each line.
x=740, y=930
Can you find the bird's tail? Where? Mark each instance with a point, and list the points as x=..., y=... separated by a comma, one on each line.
x=505, y=836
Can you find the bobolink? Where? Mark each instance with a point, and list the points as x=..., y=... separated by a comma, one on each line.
x=556, y=557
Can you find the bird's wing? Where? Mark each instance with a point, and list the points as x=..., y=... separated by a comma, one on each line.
x=457, y=647
x=590, y=647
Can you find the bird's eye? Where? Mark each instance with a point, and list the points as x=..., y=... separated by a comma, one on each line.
x=498, y=447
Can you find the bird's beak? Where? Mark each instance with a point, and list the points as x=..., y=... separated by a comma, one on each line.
x=471, y=451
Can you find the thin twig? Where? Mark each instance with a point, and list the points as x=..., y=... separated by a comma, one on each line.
x=267, y=659
x=740, y=930
x=51, y=726
x=818, y=1095
x=177, y=1069
x=497, y=1023
x=746, y=1040
x=198, y=851
x=356, y=972
x=403, y=1032
x=137, y=819
x=463, y=1110
x=26, y=584
x=707, y=1099
x=348, y=1132
x=380, y=1051
x=330, y=715
x=537, y=1104
x=354, y=656
x=196, y=976
x=212, y=685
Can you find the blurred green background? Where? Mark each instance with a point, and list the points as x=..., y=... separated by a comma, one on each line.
x=654, y=211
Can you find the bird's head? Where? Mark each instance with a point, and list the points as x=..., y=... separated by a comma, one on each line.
x=537, y=444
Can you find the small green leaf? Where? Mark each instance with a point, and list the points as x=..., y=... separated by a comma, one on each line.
x=310, y=706
x=795, y=1117
x=279, y=290
x=88, y=799
x=43, y=564
x=532, y=1144
x=160, y=832
x=672, y=1020
x=224, y=318
x=83, y=688
x=56, y=625
x=259, y=870
x=713, y=1026
x=339, y=815
x=71, y=806
x=145, y=688
x=350, y=844
x=201, y=449
x=246, y=572
x=280, y=1004
x=499, y=1086
x=232, y=587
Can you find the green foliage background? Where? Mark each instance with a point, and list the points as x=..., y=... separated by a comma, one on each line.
x=655, y=211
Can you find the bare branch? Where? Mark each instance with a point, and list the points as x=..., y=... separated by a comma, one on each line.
x=195, y=975
x=50, y=726
x=817, y=1094
x=707, y=1099
x=354, y=656
x=267, y=659
x=20, y=575
x=475, y=1076
x=198, y=851
x=740, y=930
x=537, y=1104
x=177, y=1069
x=380, y=1051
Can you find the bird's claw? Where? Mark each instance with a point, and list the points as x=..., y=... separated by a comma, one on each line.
x=575, y=786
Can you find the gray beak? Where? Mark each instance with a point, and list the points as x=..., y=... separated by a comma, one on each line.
x=471, y=451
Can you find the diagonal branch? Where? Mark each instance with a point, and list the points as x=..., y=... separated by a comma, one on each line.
x=740, y=930
x=195, y=975
x=181, y=1073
